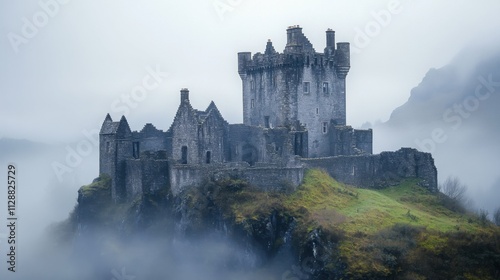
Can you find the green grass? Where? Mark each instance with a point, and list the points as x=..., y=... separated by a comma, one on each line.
x=365, y=216
x=323, y=202
x=333, y=204
x=101, y=185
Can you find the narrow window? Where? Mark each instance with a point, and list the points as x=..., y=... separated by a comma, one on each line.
x=184, y=151
x=208, y=157
x=108, y=147
x=266, y=121
x=325, y=127
x=252, y=103
x=252, y=84
x=307, y=87
x=317, y=111
x=325, y=88
x=135, y=149
x=353, y=171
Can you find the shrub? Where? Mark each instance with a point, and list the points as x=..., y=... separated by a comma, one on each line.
x=452, y=194
x=496, y=216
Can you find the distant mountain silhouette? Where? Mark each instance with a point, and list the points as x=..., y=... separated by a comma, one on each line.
x=454, y=113
x=468, y=88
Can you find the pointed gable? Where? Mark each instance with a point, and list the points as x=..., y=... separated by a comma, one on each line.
x=108, y=126
x=185, y=112
x=213, y=110
x=123, y=129
x=150, y=130
x=269, y=48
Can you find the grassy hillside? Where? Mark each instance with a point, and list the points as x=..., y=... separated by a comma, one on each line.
x=333, y=204
x=403, y=231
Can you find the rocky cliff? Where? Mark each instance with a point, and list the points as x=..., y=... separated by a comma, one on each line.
x=323, y=230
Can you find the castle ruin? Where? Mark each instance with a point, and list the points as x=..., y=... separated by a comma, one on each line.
x=294, y=118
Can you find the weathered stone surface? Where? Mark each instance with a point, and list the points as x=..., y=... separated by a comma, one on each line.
x=294, y=118
x=382, y=170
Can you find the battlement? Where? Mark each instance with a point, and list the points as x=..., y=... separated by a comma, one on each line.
x=294, y=118
x=298, y=52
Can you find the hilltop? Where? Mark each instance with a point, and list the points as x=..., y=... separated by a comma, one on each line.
x=323, y=230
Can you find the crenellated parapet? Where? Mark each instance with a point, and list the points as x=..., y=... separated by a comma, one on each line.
x=298, y=52
x=294, y=118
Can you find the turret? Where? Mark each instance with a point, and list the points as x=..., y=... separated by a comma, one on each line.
x=343, y=57
x=243, y=59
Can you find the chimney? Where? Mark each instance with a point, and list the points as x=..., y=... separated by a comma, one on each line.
x=293, y=37
x=184, y=95
x=330, y=38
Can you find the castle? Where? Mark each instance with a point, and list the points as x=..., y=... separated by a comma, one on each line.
x=294, y=118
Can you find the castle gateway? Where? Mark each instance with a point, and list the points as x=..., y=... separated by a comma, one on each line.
x=294, y=112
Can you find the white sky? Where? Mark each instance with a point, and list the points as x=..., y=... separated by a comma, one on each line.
x=65, y=78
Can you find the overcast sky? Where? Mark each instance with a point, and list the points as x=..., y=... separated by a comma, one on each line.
x=64, y=66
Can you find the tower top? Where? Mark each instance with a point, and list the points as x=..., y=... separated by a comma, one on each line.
x=184, y=95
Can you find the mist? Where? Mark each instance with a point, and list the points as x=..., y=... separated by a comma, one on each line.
x=58, y=83
x=453, y=114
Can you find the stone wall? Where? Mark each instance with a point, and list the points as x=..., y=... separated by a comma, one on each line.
x=153, y=172
x=184, y=176
x=382, y=170
x=363, y=140
x=265, y=177
x=145, y=175
x=212, y=142
x=344, y=140
x=246, y=143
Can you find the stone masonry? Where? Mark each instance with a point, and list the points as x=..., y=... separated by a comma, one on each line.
x=294, y=116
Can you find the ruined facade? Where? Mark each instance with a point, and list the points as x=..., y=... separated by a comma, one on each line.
x=294, y=118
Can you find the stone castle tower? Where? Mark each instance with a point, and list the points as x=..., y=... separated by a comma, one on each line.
x=302, y=88
x=294, y=106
